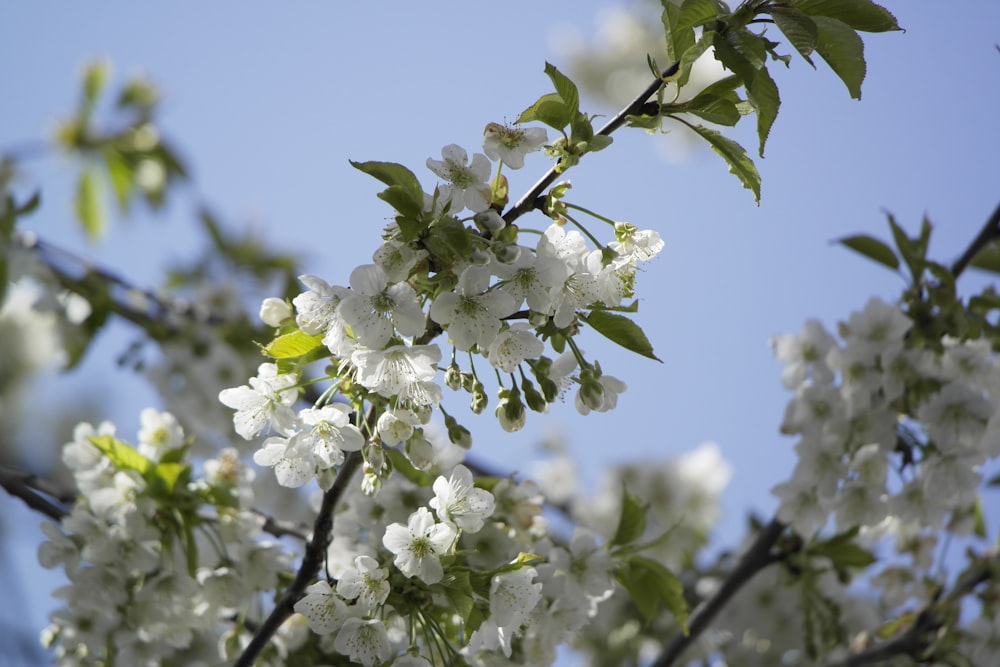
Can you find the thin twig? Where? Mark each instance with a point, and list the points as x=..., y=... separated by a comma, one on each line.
x=528, y=201
x=919, y=636
x=312, y=561
x=755, y=559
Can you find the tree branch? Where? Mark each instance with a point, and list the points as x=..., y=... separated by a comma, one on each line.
x=755, y=559
x=529, y=200
x=33, y=490
x=989, y=233
x=930, y=621
x=312, y=561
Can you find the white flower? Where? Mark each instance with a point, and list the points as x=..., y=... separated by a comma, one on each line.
x=513, y=596
x=331, y=434
x=268, y=399
x=374, y=309
x=467, y=182
x=804, y=355
x=604, y=400
x=457, y=501
x=323, y=608
x=292, y=460
x=316, y=307
x=419, y=545
x=878, y=327
x=366, y=582
x=511, y=144
x=388, y=372
x=532, y=278
x=514, y=345
x=396, y=259
x=471, y=314
x=396, y=425
x=158, y=432
x=364, y=641
x=634, y=245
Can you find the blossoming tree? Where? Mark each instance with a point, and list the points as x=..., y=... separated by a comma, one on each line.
x=341, y=516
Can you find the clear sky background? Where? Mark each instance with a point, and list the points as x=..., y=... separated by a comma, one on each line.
x=267, y=103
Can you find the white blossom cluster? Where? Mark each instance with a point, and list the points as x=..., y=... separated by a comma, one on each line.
x=371, y=333
x=141, y=591
x=873, y=401
x=405, y=567
x=892, y=437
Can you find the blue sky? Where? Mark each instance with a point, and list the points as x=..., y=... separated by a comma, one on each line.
x=268, y=102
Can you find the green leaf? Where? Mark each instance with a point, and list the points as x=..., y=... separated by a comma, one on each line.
x=122, y=177
x=842, y=551
x=750, y=46
x=712, y=108
x=549, y=109
x=121, y=455
x=988, y=259
x=678, y=39
x=90, y=209
x=691, y=54
x=800, y=30
x=842, y=49
x=763, y=95
x=650, y=584
x=448, y=239
x=740, y=164
x=163, y=478
x=95, y=77
x=402, y=200
x=621, y=330
x=402, y=465
x=632, y=521
x=696, y=12
x=293, y=344
x=859, y=14
x=872, y=248
x=565, y=88
x=406, y=187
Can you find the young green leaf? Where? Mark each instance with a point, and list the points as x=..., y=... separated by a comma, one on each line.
x=861, y=15
x=549, y=109
x=842, y=49
x=122, y=177
x=293, y=344
x=122, y=455
x=632, y=521
x=651, y=584
x=565, y=88
x=392, y=174
x=872, y=248
x=90, y=207
x=750, y=46
x=740, y=164
x=621, y=330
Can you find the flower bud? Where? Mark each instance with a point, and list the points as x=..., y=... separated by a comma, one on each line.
x=479, y=398
x=453, y=377
x=274, y=311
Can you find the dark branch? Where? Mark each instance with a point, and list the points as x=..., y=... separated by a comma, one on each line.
x=916, y=639
x=312, y=561
x=35, y=492
x=531, y=199
x=989, y=233
x=756, y=558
